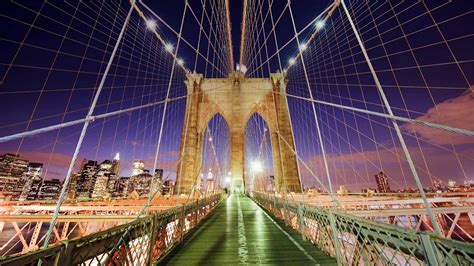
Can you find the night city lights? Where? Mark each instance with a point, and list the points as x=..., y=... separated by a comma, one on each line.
x=335, y=132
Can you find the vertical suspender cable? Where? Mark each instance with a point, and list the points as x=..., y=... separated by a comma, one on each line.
x=320, y=138
x=395, y=124
x=229, y=35
x=62, y=196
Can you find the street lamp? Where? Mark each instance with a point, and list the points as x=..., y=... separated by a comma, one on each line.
x=303, y=47
x=151, y=24
x=319, y=24
x=292, y=61
x=169, y=47
x=257, y=167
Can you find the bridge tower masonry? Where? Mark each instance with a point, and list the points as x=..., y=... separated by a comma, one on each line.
x=237, y=100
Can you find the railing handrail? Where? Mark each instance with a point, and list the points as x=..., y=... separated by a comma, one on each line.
x=147, y=225
x=357, y=232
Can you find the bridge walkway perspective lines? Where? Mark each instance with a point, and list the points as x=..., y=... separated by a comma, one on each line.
x=239, y=231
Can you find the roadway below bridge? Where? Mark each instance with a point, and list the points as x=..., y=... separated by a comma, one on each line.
x=240, y=232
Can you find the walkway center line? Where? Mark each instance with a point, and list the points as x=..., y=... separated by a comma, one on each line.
x=243, y=251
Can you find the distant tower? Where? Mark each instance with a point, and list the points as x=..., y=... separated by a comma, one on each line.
x=138, y=167
x=210, y=182
x=116, y=165
x=86, y=181
x=102, y=179
x=382, y=182
x=33, y=180
x=12, y=170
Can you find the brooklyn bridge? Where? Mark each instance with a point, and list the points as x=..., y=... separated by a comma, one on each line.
x=140, y=132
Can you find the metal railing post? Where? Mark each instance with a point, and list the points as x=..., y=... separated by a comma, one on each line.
x=181, y=222
x=429, y=250
x=301, y=207
x=154, y=228
x=65, y=255
x=196, y=217
x=335, y=235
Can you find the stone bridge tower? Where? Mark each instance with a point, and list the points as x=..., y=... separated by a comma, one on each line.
x=237, y=101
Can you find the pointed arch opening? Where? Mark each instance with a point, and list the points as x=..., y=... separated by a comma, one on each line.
x=215, y=156
x=259, y=172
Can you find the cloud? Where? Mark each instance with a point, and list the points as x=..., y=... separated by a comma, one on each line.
x=456, y=112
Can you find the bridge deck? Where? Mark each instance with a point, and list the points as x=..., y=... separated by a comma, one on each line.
x=239, y=231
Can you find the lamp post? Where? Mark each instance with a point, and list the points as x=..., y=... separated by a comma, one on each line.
x=256, y=167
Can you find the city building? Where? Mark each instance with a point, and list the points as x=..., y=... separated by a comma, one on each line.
x=86, y=179
x=140, y=183
x=120, y=187
x=111, y=185
x=382, y=182
x=12, y=168
x=451, y=183
x=342, y=191
x=72, y=189
x=369, y=192
x=31, y=182
x=138, y=168
x=159, y=174
x=50, y=189
x=116, y=165
x=102, y=177
x=168, y=187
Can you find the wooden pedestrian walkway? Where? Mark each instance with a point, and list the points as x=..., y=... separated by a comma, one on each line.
x=240, y=232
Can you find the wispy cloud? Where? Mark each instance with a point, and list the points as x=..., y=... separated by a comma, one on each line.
x=456, y=112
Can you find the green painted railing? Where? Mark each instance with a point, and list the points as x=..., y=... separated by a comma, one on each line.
x=358, y=241
x=140, y=242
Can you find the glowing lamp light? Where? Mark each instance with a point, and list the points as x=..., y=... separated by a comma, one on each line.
x=227, y=179
x=180, y=61
x=292, y=61
x=229, y=173
x=210, y=139
x=257, y=166
x=169, y=47
x=150, y=24
x=319, y=24
x=303, y=46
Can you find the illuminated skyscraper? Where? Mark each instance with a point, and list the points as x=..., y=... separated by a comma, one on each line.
x=86, y=180
x=50, y=189
x=12, y=168
x=102, y=179
x=140, y=183
x=119, y=188
x=72, y=189
x=138, y=167
x=116, y=165
x=382, y=182
x=32, y=182
x=168, y=187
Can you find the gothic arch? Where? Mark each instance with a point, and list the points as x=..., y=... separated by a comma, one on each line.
x=237, y=101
